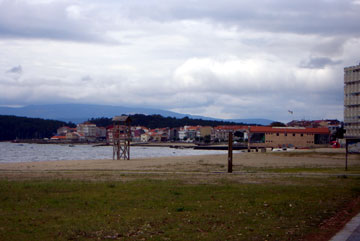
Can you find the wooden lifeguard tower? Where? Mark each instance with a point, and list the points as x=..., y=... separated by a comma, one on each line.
x=121, y=137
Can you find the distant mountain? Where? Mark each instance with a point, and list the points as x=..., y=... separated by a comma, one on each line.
x=78, y=113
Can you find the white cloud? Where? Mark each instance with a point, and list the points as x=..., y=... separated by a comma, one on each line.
x=227, y=59
x=249, y=75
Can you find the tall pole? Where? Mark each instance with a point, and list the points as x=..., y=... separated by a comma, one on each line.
x=128, y=140
x=346, y=154
x=230, y=154
x=248, y=133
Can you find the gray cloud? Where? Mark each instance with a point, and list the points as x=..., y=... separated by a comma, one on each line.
x=61, y=20
x=86, y=78
x=227, y=59
x=90, y=21
x=297, y=16
x=318, y=63
x=15, y=70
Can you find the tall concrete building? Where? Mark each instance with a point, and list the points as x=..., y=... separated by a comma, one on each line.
x=352, y=101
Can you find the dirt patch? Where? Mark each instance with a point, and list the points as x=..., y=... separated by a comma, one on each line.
x=331, y=226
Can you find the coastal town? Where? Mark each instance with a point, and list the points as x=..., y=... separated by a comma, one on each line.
x=180, y=120
x=296, y=134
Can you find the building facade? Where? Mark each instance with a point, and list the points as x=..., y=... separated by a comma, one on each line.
x=300, y=137
x=87, y=129
x=221, y=133
x=352, y=101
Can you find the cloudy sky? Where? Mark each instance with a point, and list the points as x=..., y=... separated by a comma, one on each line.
x=225, y=59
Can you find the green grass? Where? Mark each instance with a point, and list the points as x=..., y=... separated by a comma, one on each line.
x=313, y=154
x=351, y=170
x=169, y=210
x=304, y=169
x=310, y=154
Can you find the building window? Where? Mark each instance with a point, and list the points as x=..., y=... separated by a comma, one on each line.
x=301, y=134
x=285, y=134
x=294, y=134
x=277, y=134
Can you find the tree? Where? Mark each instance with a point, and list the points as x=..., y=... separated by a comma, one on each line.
x=277, y=124
x=158, y=121
x=13, y=127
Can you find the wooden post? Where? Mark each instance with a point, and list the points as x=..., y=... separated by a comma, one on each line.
x=248, y=132
x=230, y=155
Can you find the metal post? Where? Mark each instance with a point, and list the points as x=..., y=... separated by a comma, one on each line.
x=346, y=155
x=230, y=154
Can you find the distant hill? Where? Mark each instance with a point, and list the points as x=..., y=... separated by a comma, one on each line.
x=13, y=127
x=158, y=121
x=78, y=113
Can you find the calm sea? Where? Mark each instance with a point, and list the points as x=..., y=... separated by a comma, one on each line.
x=15, y=152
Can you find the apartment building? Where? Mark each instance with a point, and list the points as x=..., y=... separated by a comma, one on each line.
x=352, y=101
x=88, y=130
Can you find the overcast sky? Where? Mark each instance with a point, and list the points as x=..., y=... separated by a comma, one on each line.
x=224, y=59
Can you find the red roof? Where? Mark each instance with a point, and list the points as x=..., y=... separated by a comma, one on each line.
x=235, y=127
x=58, y=137
x=270, y=129
x=193, y=128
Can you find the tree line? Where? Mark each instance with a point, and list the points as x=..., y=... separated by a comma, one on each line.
x=14, y=127
x=158, y=121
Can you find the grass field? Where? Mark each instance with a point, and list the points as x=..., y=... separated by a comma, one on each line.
x=303, y=195
x=148, y=209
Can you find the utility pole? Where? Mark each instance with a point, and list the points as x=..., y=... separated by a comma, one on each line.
x=230, y=152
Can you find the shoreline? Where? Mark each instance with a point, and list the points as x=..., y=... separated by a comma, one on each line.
x=175, y=145
x=208, y=162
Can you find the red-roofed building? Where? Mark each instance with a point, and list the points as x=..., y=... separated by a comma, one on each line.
x=65, y=129
x=58, y=138
x=301, y=137
x=74, y=136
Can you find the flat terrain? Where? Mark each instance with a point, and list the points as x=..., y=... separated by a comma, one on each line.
x=299, y=195
x=322, y=161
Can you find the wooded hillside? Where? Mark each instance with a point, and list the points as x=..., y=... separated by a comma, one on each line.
x=12, y=127
x=158, y=121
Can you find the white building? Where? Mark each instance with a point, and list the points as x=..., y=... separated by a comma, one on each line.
x=89, y=130
x=144, y=137
x=182, y=134
x=352, y=101
x=101, y=132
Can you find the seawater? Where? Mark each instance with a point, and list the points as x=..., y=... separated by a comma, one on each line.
x=15, y=152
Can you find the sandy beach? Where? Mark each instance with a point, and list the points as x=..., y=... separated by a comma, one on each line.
x=327, y=158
